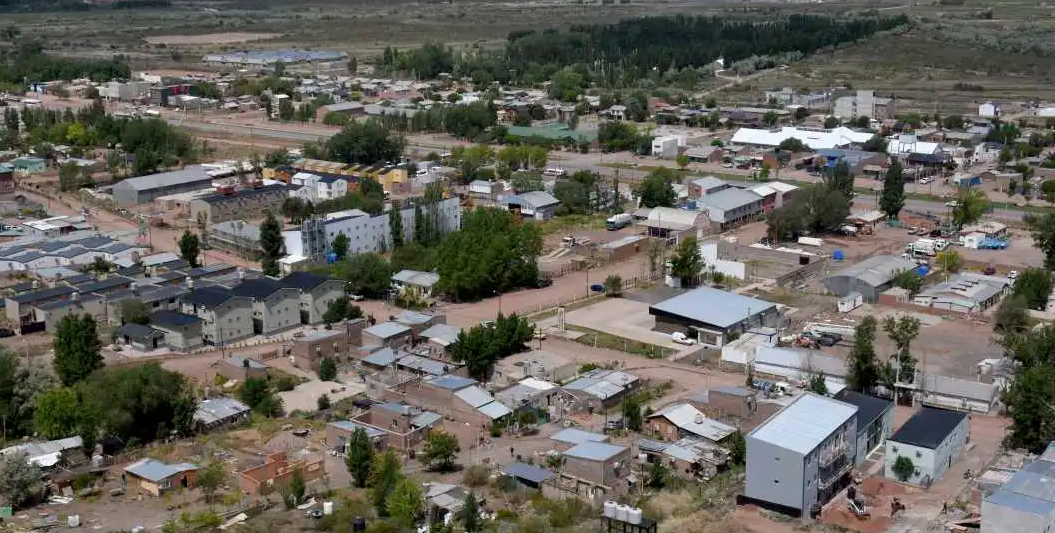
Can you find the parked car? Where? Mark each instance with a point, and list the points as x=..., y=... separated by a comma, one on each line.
x=542, y=283
x=925, y=180
x=356, y=297
x=597, y=287
x=681, y=338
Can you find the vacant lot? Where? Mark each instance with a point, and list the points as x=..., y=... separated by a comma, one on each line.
x=210, y=38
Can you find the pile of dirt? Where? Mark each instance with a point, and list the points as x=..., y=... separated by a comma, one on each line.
x=842, y=517
x=876, y=486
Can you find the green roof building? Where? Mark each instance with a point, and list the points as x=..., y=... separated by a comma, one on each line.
x=554, y=132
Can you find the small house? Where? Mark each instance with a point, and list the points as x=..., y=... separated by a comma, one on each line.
x=156, y=477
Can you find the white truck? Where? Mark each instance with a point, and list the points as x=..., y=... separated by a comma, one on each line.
x=929, y=247
x=618, y=222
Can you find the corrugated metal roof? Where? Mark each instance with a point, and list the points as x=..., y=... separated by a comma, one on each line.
x=1019, y=502
x=417, y=278
x=531, y=473
x=352, y=425
x=218, y=409
x=595, y=451
x=475, y=396
x=154, y=470
x=450, y=382
x=876, y=270
x=494, y=410
x=649, y=445
x=425, y=419
x=805, y=423
x=426, y=365
x=382, y=357
x=577, y=436
x=386, y=330
x=730, y=199
x=1030, y=490
x=690, y=419
x=713, y=307
x=166, y=179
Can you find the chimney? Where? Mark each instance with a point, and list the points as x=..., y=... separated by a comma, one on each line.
x=190, y=282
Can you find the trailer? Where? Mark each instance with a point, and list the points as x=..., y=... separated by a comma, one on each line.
x=846, y=330
x=618, y=222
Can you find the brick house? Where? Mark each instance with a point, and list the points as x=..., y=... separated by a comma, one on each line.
x=406, y=426
x=277, y=472
x=241, y=368
x=308, y=351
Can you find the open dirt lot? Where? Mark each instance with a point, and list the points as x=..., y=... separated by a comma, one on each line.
x=210, y=38
x=619, y=317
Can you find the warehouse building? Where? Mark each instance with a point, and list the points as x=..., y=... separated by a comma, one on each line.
x=932, y=439
x=145, y=189
x=710, y=316
x=802, y=456
x=1026, y=503
x=869, y=277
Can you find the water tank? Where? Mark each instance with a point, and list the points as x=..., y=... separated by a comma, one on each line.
x=634, y=515
x=923, y=270
x=838, y=255
x=331, y=257
x=609, y=509
x=327, y=507
x=622, y=512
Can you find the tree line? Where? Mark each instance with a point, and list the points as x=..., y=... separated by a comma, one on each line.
x=29, y=63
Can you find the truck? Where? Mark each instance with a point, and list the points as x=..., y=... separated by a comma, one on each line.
x=618, y=222
x=923, y=247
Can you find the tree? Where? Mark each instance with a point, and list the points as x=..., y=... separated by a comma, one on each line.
x=903, y=330
x=893, y=198
x=135, y=404
x=395, y=223
x=297, y=489
x=686, y=263
x=99, y=265
x=830, y=122
x=970, y=206
x=492, y=253
x=19, y=479
x=340, y=246
x=270, y=245
x=336, y=310
x=613, y=286
x=862, y=368
x=257, y=394
x=135, y=311
x=69, y=177
x=657, y=189
x=327, y=369
x=950, y=261
x=406, y=504
x=77, y=348
x=682, y=160
x=190, y=248
x=367, y=274
x=1035, y=285
x=359, y=457
x=323, y=403
x=818, y=385
x=737, y=449
x=470, y=514
x=1012, y=317
x=527, y=182
x=785, y=223
x=793, y=145
x=210, y=478
x=57, y=414
x=441, y=448
x=838, y=179
x=1042, y=229
x=632, y=417
x=368, y=142
x=903, y=468
x=658, y=474
x=385, y=475
x=909, y=279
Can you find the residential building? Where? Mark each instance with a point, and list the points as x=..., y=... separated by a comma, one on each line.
x=598, y=389
x=869, y=277
x=727, y=401
x=680, y=420
x=666, y=146
x=969, y=395
x=710, y=315
x=183, y=332
x=316, y=293
x=535, y=363
x=239, y=205
x=226, y=317
x=537, y=205
x=236, y=237
x=529, y=393
x=597, y=462
x=705, y=154
x=405, y=426
x=706, y=185
x=568, y=438
x=932, y=439
x=420, y=283
x=155, y=477
x=731, y=207
x=528, y=476
x=688, y=458
x=439, y=338
x=7, y=179
x=388, y=334
x=139, y=337
x=802, y=456
x=989, y=109
x=29, y=164
x=675, y=224
x=276, y=306
x=20, y=307
x=308, y=351
x=875, y=421
x=143, y=189
x=48, y=454
x=1026, y=502
x=859, y=162
x=51, y=313
x=864, y=104
x=906, y=145
x=240, y=368
x=277, y=472
x=339, y=434
x=219, y=412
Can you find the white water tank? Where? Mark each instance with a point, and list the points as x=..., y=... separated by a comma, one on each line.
x=622, y=512
x=634, y=515
x=327, y=507
x=609, y=509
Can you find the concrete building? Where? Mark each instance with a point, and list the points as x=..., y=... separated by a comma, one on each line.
x=869, y=277
x=932, y=439
x=388, y=334
x=439, y=338
x=51, y=313
x=967, y=292
x=989, y=109
x=672, y=223
x=731, y=207
x=276, y=307
x=308, y=351
x=875, y=421
x=225, y=316
x=727, y=401
x=237, y=237
x=241, y=368
x=155, y=477
x=710, y=315
x=339, y=434
x=535, y=364
x=1026, y=502
x=597, y=462
x=598, y=389
x=239, y=205
x=802, y=456
x=139, y=337
x=405, y=426
x=666, y=147
x=277, y=472
x=700, y=187
x=316, y=293
x=145, y=189
x=863, y=104
x=183, y=332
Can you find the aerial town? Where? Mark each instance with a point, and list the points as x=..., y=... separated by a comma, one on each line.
x=539, y=285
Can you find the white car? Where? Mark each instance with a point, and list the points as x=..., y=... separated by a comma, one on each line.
x=422, y=172
x=356, y=297
x=1013, y=275
x=680, y=338
x=925, y=180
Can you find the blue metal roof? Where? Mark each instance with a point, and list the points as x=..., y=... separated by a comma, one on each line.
x=451, y=382
x=595, y=451
x=382, y=357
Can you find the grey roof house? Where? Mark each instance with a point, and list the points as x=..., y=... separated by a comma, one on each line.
x=226, y=317
x=869, y=277
x=183, y=332
x=539, y=205
x=316, y=293
x=276, y=306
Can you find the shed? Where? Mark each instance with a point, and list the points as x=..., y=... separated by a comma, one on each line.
x=218, y=412
x=156, y=477
x=139, y=336
x=527, y=475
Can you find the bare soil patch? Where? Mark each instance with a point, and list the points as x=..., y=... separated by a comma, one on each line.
x=233, y=37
